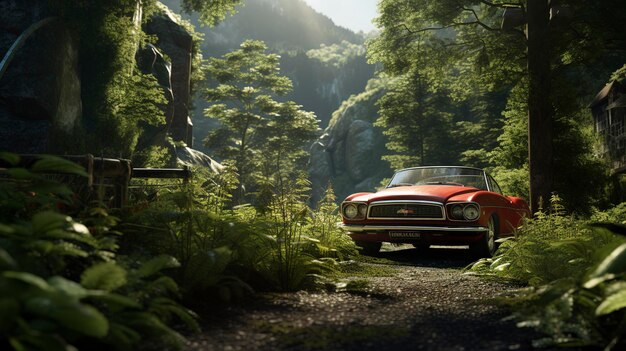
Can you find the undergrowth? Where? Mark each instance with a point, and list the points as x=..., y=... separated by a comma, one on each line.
x=228, y=252
x=575, y=272
x=63, y=284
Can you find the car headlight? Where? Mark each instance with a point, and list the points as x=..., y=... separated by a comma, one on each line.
x=471, y=212
x=363, y=210
x=457, y=211
x=350, y=211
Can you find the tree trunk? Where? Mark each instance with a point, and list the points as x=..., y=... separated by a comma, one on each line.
x=540, y=151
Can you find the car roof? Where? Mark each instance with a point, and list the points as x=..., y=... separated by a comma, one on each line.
x=474, y=168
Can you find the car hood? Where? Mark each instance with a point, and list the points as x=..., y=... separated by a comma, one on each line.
x=437, y=193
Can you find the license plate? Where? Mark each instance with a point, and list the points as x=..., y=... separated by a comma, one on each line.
x=405, y=235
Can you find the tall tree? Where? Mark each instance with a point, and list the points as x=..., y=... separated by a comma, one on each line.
x=417, y=126
x=255, y=129
x=460, y=46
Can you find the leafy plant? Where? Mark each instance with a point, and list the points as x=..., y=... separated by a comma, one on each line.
x=226, y=252
x=62, y=284
x=576, y=270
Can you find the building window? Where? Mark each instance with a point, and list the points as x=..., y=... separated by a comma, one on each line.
x=602, y=122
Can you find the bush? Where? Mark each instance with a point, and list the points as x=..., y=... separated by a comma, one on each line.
x=576, y=275
x=62, y=284
x=227, y=252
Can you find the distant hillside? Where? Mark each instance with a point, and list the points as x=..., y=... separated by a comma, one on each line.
x=284, y=25
x=309, y=44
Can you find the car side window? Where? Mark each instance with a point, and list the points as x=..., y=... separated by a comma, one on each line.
x=494, y=186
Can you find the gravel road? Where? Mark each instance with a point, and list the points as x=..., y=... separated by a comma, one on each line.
x=418, y=301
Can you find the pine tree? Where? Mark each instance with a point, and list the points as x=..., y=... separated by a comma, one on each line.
x=260, y=134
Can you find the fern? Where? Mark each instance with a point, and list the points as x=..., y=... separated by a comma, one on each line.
x=576, y=273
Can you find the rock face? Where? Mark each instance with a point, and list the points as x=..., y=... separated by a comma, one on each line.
x=348, y=154
x=40, y=101
x=175, y=42
x=40, y=93
x=186, y=156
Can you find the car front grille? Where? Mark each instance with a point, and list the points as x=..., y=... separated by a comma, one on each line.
x=409, y=210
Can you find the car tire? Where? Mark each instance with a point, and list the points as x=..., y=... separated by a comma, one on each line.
x=487, y=246
x=369, y=248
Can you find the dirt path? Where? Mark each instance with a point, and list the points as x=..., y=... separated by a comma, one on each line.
x=412, y=302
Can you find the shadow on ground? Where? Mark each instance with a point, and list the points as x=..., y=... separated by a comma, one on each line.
x=437, y=256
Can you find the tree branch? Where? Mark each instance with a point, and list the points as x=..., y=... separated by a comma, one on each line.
x=502, y=5
x=479, y=22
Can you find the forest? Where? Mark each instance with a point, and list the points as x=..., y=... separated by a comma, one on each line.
x=288, y=114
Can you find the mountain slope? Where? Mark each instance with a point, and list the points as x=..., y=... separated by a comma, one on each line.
x=292, y=29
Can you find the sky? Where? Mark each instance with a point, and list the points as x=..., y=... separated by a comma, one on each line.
x=353, y=14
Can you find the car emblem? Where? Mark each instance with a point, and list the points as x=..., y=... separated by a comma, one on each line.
x=405, y=211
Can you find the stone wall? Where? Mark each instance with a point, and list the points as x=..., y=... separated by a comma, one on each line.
x=40, y=102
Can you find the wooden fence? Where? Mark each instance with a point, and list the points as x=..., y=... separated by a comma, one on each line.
x=110, y=173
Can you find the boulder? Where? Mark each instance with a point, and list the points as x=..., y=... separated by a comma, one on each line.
x=189, y=157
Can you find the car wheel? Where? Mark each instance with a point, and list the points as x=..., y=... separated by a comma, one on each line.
x=368, y=247
x=487, y=245
x=421, y=246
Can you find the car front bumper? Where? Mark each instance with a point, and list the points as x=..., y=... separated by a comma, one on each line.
x=434, y=235
x=353, y=228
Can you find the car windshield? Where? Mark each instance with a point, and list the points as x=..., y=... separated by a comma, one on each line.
x=458, y=176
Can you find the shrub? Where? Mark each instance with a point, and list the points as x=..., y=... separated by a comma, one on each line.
x=62, y=284
x=576, y=275
x=226, y=252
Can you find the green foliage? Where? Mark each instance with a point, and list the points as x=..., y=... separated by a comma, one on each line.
x=454, y=56
x=619, y=75
x=415, y=123
x=255, y=127
x=119, y=101
x=323, y=226
x=211, y=11
x=62, y=286
x=337, y=55
x=576, y=274
x=226, y=252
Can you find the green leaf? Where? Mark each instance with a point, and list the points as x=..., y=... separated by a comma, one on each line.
x=68, y=249
x=106, y=276
x=48, y=220
x=6, y=261
x=612, y=303
x=68, y=287
x=10, y=158
x=29, y=279
x=156, y=264
x=114, y=299
x=70, y=313
x=6, y=229
x=20, y=173
x=84, y=319
x=614, y=263
x=54, y=164
x=123, y=336
x=164, y=283
x=167, y=306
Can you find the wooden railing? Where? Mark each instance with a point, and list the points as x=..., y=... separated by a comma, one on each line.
x=111, y=173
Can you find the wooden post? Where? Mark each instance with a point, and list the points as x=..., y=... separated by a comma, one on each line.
x=540, y=150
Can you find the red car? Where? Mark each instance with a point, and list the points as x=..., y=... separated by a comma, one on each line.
x=439, y=205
